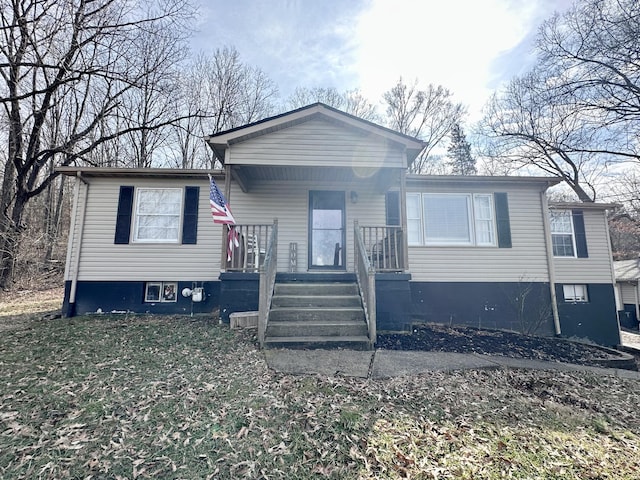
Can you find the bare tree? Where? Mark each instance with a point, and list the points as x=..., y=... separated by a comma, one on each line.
x=66, y=67
x=426, y=114
x=216, y=92
x=579, y=109
x=527, y=127
x=592, y=50
x=349, y=101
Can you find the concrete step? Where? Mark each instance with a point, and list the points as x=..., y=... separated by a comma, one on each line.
x=359, y=342
x=314, y=314
x=317, y=301
x=316, y=329
x=308, y=288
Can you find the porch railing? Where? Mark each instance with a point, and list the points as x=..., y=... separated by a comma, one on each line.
x=366, y=277
x=384, y=247
x=249, y=247
x=267, y=281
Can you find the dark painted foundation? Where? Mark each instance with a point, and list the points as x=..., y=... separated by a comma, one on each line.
x=484, y=305
x=393, y=302
x=595, y=320
x=128, y=297
x=400, y=302
x=239, y=292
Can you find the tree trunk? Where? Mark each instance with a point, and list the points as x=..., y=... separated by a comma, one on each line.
x=53, y=221
x=10, y=241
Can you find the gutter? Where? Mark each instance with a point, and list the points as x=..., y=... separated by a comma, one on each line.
x=550, y=263
x=75, y=261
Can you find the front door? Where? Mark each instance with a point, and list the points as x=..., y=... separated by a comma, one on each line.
x=326, y=230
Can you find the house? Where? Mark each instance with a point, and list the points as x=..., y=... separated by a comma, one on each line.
x=335, y=241
x=627, y=274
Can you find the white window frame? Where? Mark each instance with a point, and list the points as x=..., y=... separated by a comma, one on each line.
x=137, y=215
x=473, y=221
x=492, y=219
x=575, y=293
x=569, y=214
x=417, y=219
x=167, y=292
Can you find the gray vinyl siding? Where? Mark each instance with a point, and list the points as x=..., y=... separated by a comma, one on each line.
x=289, y=203
x=318, y=143
x=597, y=268
x=627, y=293
x=101, y=259
x=526, y=261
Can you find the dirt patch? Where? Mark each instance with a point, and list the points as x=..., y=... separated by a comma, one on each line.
x=441, y=338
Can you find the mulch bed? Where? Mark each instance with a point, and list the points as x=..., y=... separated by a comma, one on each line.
x=441, y=338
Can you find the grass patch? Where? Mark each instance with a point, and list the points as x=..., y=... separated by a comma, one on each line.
x=180, y=397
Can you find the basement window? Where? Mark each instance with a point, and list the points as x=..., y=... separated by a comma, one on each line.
x=160, y=292
x=575, y=293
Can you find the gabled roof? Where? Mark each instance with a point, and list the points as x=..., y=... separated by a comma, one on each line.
x=219, y=142
x=627, y=270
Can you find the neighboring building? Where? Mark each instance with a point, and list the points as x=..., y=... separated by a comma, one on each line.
x=472, y=250
x=628, y=291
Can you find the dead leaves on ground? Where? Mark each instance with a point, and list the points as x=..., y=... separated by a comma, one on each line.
x=175, y=397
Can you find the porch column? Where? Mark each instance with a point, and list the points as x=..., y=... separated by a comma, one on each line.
x=225, y=227
x=403, y=218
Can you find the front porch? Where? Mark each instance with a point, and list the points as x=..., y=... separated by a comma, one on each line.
x=375, y=265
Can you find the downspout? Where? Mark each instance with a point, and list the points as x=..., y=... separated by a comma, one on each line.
x=613, y=273
x=550, y=263
x=75, y=262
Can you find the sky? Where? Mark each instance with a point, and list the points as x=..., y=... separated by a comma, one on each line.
x=471, y=47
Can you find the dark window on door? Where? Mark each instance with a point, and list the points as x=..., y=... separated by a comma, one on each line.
x=326, y=230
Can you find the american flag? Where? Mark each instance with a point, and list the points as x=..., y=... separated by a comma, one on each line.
x=222, y=214
x=219, y=207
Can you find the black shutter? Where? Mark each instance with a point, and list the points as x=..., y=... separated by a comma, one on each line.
x=502, y=219
x=123, y=218
x=392, y=208
x=581, y=237
x=190, y=217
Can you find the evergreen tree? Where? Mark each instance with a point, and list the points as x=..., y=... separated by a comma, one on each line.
x=459, y=153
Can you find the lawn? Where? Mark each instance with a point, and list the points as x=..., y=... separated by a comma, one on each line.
x=180, y=397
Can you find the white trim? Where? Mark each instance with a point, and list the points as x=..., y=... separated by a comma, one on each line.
x=572, y=233
x=575, y=293
x=137, y=214
x=471, y=199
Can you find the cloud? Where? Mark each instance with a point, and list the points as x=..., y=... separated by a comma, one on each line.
x=469, y=46
x=296, y=42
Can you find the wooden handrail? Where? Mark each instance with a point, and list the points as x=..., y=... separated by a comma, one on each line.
x=366, y=278
x=268, y=271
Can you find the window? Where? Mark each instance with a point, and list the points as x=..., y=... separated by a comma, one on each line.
x=562, y=238
x=451, y=219
x=157, y=214
x=161, y=292
x=414, y=219
x=575, y=293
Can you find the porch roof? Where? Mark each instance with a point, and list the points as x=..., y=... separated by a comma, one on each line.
x=221, y=141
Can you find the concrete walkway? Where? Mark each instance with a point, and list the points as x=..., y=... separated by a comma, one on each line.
x=391, y=363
